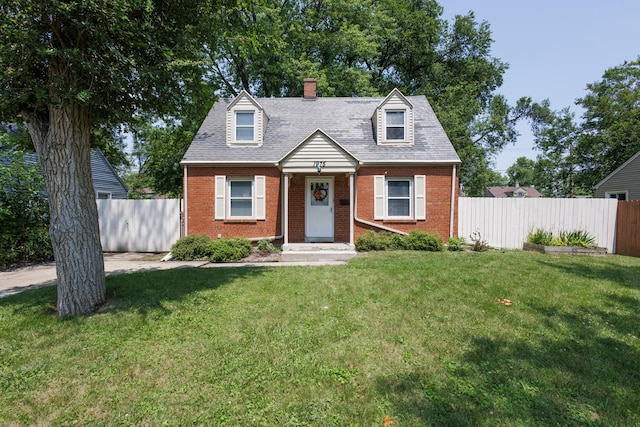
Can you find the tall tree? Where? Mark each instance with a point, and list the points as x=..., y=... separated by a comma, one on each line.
x=558, y=162
x=363, y=48
x=522, y=172
x=611, y=123
x=68, y=66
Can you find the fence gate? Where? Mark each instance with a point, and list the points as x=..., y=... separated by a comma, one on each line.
x=628, y=228
x=138, y=225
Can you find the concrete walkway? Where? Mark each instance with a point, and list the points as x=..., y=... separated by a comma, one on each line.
x=37, y=276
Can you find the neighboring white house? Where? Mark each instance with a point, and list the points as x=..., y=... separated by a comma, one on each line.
x=623, y=183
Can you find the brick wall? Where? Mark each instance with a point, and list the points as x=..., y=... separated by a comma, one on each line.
x=438, y=199
x=201, y=197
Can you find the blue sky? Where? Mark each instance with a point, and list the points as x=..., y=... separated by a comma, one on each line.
x=554, y=49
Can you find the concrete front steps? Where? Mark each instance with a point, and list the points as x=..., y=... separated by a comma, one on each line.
x=317, y=252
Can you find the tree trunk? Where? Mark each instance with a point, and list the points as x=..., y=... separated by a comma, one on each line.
x=62, y=140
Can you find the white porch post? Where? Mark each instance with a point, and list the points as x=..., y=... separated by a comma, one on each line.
x=285, y=209
x=351, y=206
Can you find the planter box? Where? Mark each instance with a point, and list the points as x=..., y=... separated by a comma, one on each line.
x=564, y=250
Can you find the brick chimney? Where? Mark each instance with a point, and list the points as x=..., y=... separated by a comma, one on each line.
x=310, y=89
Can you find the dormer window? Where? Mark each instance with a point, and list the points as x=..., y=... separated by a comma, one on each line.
x=393, y=120
x=245, y=128
x=395, y=125
x=246, y=122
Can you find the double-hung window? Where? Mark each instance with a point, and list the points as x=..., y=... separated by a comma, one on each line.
x=240, y=198
x=395, y=125
x=245, y=127
x=400, y=198
x=399, y=193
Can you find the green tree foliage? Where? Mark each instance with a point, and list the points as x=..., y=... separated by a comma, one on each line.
x=576, y=155
x=558, y=164
x=364, y=48
x=68, y=67
x=522, y=172
x=24, y=210
x=611, y=123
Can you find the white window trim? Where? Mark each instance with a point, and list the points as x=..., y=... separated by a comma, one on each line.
x=608, y=194
x=222, y=202
x=230, y=181
x=417, y=198
x=108, y=193
x=236, y=126
x=388, y=198
x=404, y=125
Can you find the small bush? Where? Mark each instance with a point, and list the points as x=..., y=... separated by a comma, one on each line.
x=456, y=244
x=371, y=241
x=418, y=240
x=265, y=247
x=229, y=249
x=540, y=237
x=478, y=243
x=194, y=246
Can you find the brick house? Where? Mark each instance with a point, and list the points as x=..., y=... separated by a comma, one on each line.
x=316, y=169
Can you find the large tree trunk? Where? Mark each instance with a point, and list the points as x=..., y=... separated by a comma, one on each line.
x=62, y=140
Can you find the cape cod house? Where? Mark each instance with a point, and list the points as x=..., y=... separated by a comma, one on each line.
x=314, y=169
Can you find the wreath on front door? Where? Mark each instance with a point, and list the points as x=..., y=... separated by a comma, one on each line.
x=320, y=192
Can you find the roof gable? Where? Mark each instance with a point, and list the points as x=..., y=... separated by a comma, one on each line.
x=395, y=94
x=321, y=152
x=244, y=96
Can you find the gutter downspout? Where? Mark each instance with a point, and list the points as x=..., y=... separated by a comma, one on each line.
x=370, y=224
x=453, y=199
x=184, y=198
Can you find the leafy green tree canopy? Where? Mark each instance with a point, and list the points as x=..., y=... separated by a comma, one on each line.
x=66, y=67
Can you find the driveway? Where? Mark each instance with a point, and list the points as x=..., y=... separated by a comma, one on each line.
x=20, y=279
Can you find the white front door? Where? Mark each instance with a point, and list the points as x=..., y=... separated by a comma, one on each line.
x=319, y=209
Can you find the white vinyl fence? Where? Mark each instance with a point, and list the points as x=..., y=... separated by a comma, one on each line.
x=138, y=225
x=505, y=223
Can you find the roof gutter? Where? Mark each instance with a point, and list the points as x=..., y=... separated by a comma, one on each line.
x=409, y=162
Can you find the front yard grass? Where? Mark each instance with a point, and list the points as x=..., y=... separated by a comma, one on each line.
x=419, y=338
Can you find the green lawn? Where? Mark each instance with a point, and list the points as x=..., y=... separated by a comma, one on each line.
x=417, y=337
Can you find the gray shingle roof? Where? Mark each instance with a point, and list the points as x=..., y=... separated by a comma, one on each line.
x=346, y=120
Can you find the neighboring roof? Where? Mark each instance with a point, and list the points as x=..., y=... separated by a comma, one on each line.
x=615, y=172
x=508, y=191
x=103, y=174
x=345, y=120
